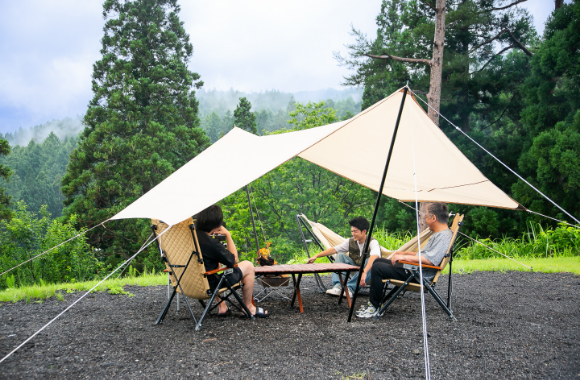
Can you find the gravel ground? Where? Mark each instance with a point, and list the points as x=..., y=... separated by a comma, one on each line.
x=510, y=325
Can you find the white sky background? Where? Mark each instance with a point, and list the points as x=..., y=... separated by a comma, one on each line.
x=47, y=48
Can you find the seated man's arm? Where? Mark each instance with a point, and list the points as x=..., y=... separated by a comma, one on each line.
x=410, y=257
x=375, y=253
x=327, y=252
x=231, y=247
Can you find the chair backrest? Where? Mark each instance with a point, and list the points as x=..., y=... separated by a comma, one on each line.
x=329, y=238
x=180, y=247
x=457, y=222
x=413, y=244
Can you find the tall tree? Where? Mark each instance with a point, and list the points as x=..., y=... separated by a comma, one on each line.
x=551, y=157
x=244, y=118
x=141, y=124
x=5, y=173
x=411, y=38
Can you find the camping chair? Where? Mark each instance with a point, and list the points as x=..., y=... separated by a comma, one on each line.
x=325, y=238
x=413, y=271
x=180, y=251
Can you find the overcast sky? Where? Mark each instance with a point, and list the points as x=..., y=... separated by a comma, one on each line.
x=47, y=48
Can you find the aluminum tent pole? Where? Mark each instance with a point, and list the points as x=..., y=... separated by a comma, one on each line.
x=253, y=222
x=378, y=202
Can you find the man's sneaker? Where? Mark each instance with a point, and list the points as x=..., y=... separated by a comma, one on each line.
x=350, y=293
x=362, y=307
x=335, y=291
x=367, y=312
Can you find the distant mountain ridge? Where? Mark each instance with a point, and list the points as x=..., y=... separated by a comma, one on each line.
x=209, y=101
x=63, y=128
x=273, y=100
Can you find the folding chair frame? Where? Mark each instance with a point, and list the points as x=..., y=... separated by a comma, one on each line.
x=223, y=281
x=413, y=270
x=303, y=224
x=273, y=289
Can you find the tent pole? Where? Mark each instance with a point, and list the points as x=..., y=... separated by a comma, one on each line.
x=377, y=204
x=253, y=222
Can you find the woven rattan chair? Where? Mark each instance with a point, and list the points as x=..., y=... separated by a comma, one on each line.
x=180, y=251
x=413, y=271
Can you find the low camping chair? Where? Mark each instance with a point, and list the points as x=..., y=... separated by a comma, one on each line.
x=325, y=238
x=413, y=271
x=179, y=249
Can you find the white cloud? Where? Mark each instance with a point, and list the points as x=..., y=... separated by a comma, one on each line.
x=48, y=48
x=259, y=45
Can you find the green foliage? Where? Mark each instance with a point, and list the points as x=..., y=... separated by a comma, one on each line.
x=563, y=241
x=311, y=115
x=38, y=170
x=5, y=173
x=28, y=234
x=551, y=156
x=117, y=289
x=141, y=124
x=10, y=281
x=244, y=118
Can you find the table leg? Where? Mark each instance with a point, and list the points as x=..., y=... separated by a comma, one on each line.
x=297, y=292
x=293, y=295
x=344, y=288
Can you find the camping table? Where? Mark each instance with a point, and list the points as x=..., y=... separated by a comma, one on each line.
x=300, y=269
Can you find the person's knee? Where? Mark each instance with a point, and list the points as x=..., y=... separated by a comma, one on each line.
x=247, y=268
x=376, y=268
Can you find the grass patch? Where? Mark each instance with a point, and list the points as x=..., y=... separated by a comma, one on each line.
x=114, y=286
x=544, y=265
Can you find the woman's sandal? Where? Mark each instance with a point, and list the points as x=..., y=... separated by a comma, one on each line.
x=259, y=313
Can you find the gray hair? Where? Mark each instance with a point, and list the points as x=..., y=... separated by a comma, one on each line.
x=440, y=210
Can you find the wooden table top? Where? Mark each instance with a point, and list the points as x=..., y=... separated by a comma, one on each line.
x=305, y=268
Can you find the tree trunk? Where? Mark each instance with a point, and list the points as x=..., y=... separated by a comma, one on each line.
x=434, y=95
x=422, y=211
x=559, y=3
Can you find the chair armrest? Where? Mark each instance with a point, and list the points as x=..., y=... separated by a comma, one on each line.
x=221, y=269
x=417, y=264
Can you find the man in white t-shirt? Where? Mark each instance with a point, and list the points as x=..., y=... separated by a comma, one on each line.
x=354, y=247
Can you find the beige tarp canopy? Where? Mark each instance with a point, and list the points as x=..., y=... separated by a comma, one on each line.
x=355, y=149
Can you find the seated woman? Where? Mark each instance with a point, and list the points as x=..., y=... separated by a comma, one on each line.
x=209, y=222
x=433, y=253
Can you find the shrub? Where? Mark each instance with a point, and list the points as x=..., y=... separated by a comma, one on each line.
x=28, y=234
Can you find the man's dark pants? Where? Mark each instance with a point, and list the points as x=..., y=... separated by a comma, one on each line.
x=382, y=269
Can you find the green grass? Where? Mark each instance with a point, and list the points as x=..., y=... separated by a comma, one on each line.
x=549, y=265
x=115, y=286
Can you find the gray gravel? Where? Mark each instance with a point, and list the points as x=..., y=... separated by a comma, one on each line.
x=510, y=325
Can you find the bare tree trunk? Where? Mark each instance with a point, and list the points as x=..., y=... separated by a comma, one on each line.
x=559, y=3
x=422, y=211
x=434, y=95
